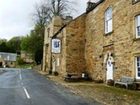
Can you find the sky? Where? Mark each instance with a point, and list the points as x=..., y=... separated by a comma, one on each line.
x=16, y=16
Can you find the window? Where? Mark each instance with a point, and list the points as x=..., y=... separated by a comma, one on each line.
x=138, y=67
x=108, y=20
x=137, y=26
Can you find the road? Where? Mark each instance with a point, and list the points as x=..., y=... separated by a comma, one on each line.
x=27, y=87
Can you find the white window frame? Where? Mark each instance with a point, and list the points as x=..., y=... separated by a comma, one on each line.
x=137, y=66
x=137, y=26
x=108, y=20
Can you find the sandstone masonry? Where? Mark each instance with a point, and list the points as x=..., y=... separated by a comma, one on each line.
x=86, y=47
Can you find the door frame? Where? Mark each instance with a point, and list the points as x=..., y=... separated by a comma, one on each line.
x=136, y=69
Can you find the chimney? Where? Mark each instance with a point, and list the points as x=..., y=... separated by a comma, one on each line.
x=90, y=6
x=68, y=19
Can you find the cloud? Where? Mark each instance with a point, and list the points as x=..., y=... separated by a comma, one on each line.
x=16, y=16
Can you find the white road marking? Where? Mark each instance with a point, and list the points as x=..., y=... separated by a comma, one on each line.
x=22, y=83
x=26, y=92
x=20, y=75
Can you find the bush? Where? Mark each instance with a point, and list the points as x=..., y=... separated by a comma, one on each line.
x=20, y=61
x=110, y=82
x=98, y=81
x=56, y=73
x=50, y=71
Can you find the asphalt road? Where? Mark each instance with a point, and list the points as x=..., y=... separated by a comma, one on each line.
x=27, y=87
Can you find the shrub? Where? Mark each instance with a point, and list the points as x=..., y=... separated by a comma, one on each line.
x=56, y=73
x=110, y=82
x=98, y=81
x=50, y=71
x=20, y=61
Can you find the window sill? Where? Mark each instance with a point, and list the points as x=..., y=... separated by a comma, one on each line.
x=109, y=33
x=135, y=39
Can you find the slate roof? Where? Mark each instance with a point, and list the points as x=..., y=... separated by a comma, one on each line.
x=8, y=56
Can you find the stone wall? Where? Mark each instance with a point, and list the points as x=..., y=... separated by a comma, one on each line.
x=71, y=59
x=119, y=42
x=50, y=31
x=75, y=45
x=85, y=45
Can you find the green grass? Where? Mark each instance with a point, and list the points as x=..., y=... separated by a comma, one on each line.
x=117, y=94
x=25, y=66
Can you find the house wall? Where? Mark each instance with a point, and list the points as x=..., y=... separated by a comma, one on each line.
x=75, y=45
x=11, y=64
x=120, y=42
x=85, y=44
x=50, y=31
x=27, y=57
x=71, y=58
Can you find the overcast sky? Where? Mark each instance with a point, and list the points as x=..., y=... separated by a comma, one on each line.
x=16, y=16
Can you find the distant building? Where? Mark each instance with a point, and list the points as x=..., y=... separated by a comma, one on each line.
x=7, y=59
x=27, y=57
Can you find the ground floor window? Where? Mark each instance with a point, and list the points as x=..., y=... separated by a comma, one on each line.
x=138, y=67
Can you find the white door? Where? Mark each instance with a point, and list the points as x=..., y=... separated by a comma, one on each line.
x=109, y=72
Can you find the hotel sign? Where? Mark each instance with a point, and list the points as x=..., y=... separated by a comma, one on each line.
x=56, y=45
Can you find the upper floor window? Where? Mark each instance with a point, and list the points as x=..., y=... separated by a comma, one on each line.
x=137, y=26
x=108, y=20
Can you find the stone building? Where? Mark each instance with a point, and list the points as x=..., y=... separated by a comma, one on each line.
x=27, y=57
x=104, y=41
x=7, y=59
x=68, y=37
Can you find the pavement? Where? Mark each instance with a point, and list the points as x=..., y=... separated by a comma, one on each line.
x=27, y=87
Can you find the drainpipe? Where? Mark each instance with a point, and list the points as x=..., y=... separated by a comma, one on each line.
x=51, y=54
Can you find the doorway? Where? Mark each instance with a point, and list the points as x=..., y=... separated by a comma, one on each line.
x=109, y=72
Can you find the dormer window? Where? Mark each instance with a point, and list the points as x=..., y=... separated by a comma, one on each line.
x=137, y=27
x=108, y=20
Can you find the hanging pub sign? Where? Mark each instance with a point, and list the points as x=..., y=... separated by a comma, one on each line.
x=56, y=45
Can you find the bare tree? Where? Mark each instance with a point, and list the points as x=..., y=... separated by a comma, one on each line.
x=47, y=9
x=44, y=11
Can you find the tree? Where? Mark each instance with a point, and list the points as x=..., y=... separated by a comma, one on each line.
x=43, y=14
x=33, y=44
x=14, y=44
x=47, y=9
x=25, y=43
x=3, y=47
x=2, y=40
